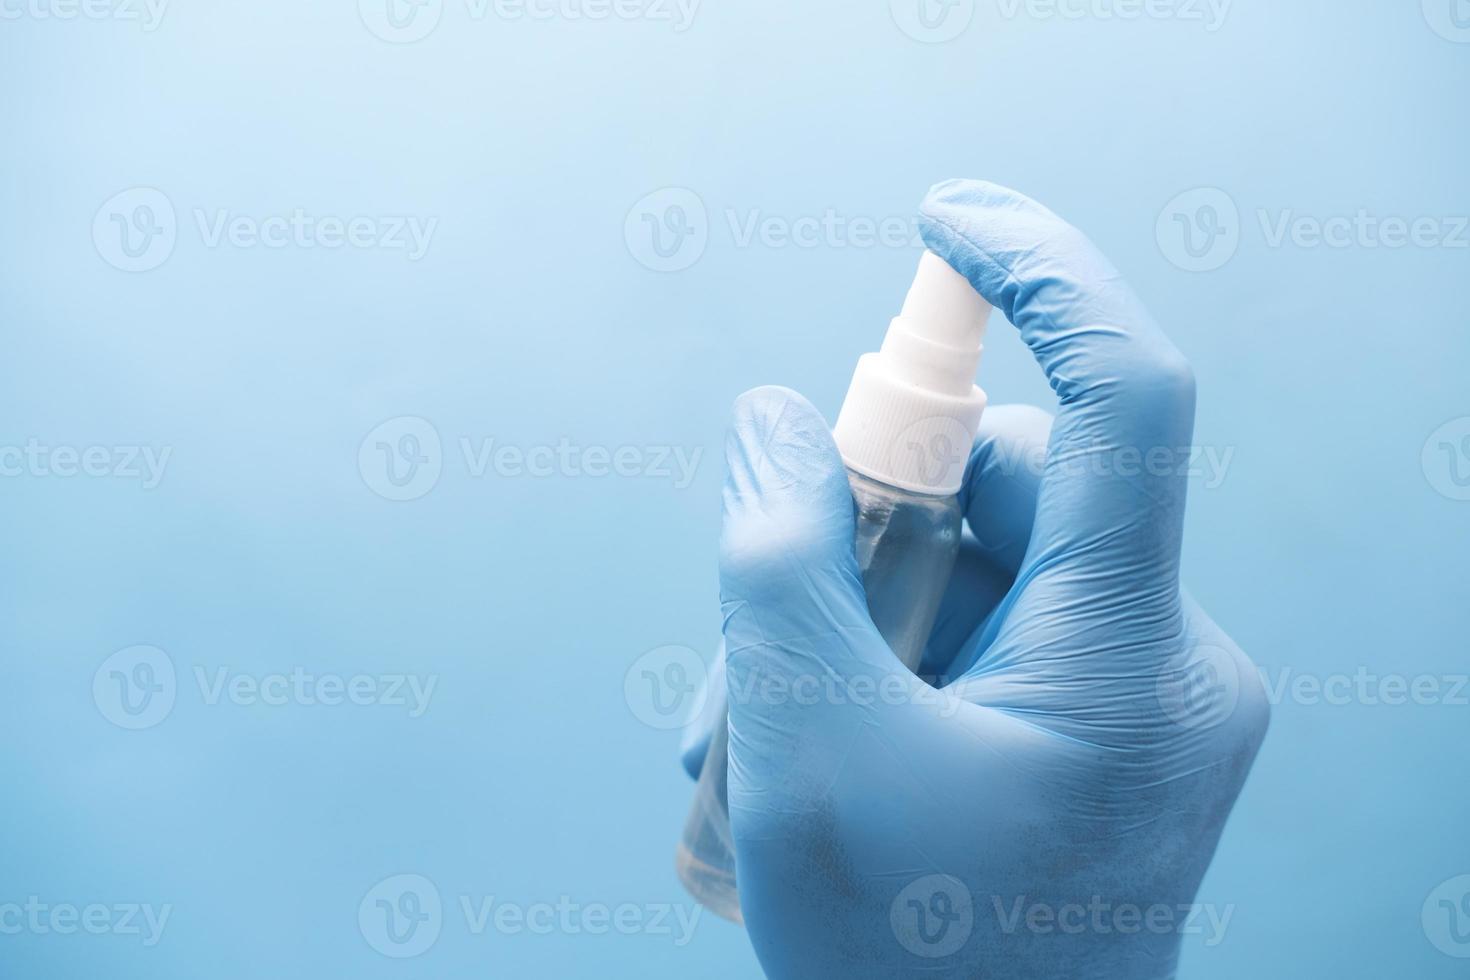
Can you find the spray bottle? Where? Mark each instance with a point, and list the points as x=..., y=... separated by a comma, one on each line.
x=904, y=432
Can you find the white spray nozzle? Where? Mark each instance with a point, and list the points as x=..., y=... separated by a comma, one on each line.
x=912, y=410
x=942, y=306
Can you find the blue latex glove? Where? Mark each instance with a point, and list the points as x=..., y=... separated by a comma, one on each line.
x=1051, y=811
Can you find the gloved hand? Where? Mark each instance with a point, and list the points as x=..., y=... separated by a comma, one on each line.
x=1050, y=812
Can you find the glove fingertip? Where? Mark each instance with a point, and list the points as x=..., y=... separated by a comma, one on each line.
x=785, y=475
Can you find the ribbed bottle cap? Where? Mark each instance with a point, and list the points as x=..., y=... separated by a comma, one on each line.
x=912, y=409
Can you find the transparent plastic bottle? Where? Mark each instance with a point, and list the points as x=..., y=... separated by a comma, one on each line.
x=905, y=430
x=906, y=546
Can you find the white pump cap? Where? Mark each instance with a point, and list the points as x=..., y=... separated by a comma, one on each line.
x=912, y=409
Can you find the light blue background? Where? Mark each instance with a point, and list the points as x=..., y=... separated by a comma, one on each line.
x=1327, y=547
